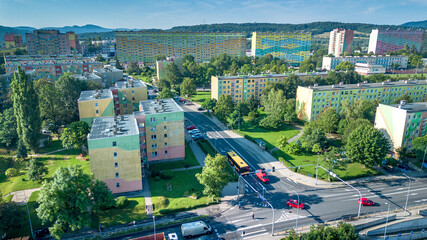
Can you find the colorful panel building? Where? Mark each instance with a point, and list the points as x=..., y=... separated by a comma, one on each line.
x=382, y=41
x=340, y=41
x=313, y=100
x=114, y=151
x=51, y=42
x=330, y=63
x=13, y=40
x=52, y=66
x=402, y=123
x=294, y=47
x=242, y=87
x=141, y=46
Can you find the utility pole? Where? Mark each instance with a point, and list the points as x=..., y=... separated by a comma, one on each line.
x=239, y=121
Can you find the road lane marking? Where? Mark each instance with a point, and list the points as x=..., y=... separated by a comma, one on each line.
x=249, y=227
x=258, y=235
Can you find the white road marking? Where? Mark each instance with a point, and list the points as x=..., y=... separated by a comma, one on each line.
x=249, y=227
x=265, y=233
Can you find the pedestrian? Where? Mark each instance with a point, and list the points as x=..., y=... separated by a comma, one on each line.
x=253, y=216
x=239, y=206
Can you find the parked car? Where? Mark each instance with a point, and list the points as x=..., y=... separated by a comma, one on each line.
x=196, y=135
x=188, y=103
x=261, y=175
x=200, y=109
x=42, y=232
x=403, y=166
x=194, y=131
x=387, y=168
x=191, y=127
x=295, y=204
x=365, y=202
x=194, y=229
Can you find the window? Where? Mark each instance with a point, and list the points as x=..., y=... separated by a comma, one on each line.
x=117, y=184
x=114, y=143
x=166, y=144
x=166, y=152
x=153, y=137
x=140, y=125
x=164, y=127
x=153, y=119
x=116, y=164
x=154, y=154
x=96, y=111
x=133, y=91
x=154, y=145
x=164, y=118
x=96, y=104
x=117, y=174
x=165, y=136
x=115, y=154
x=153, y=129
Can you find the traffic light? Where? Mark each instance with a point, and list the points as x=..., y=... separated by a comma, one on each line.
x=274, y=169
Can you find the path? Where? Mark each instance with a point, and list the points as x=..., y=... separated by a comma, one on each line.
x=22, y=196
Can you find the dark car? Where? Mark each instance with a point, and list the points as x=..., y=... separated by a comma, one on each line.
x=42, y=232
x=200, y=109
x=191, y=127
x=387, y=168
x=403, y=166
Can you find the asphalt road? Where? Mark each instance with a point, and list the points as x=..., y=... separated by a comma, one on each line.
x=321, y=204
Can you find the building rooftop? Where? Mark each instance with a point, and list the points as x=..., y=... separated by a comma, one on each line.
x=129, y=84
x=95, y=94
x=412, y=107
x=158, y=106
x=272, y=75
x=106, y=127
x=107, y=69
x=368, y=85
x=373, y=56
x=87, y=76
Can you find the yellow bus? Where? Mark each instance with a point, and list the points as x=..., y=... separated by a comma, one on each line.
x=237, y=162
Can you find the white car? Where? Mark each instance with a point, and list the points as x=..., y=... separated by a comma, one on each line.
x=194, y=131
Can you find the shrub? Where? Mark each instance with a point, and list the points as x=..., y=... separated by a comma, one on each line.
x=155, y=173
x=166, y=175
x=12, y=172
x=163, y=202
x=121, y=202
x=157, y=178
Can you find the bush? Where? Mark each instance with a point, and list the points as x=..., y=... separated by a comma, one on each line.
x=155, y=173
x=12, y=172
x=121, y=202
x=157, y=178
x=391, y=161
x=166, y=175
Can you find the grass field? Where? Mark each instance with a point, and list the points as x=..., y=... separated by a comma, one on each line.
x=201, y=96
x=182, y=182
x=53, y=145
x=53, y=162
x=134, y=211
x=190, y=160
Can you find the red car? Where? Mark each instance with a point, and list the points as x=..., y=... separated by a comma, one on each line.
x=262, y=176
x=294, y=203
x=191, y=127
x=365, y=202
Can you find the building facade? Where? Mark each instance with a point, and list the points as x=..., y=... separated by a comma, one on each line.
x=114, y=151
x=141, y=46
x=52, y=66
x=242, y=87
x=402, y=123
x=13, y=40
x=294, y=47
x=121, y=99
x=109, y=75
x=313, y=100
x=382, y=41
x=161, y=65
x=330, y=63
x=51, y=42
x=340, y=41
x=368, y=69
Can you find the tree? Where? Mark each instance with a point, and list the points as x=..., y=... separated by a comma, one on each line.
x=333, y=157
x=419, y=146
x=312, y=136
x=165, y=93
x=11, y=172
x=243, y=108
x=26, y=109
x=342, y=231
x=328, y=120
x=172, y=73
x=345, y=127
x=274, y=102
x=367, y=145
x=102, y=198
x=66, y=200
x=405, y=97
x=290, y=114
x=292, y=148
x=10, y=216
x=159, y=57
x=282, y=142
x=316, y=148
x=360, y=108
x=163, y=84
x=214, y=175
x=307, y=65
x=188, y=87
x=224, y=107
x=272, y=121
x=21, y=151
x=36, y=170
x=344, y=66
x=118, y=65
x=209, y=104
x=134, y=69
x=253, y=103
x=234, y=118
x=75, y=135
x=99, y=58
x=8, y=134
x=68, y=90
x=48, y=100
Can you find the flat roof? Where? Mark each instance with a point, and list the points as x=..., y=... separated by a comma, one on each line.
x=158, y=106
x=412, y=107
x=271, y=75
x=129, y=84
x=106, y=127
x=95, y=94
x=368, y=85
x=107, y=69
x=87, y=76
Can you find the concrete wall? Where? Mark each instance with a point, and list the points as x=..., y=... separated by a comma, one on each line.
x=401, y=227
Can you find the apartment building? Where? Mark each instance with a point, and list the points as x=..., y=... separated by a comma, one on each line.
x=294, y=47
x=242, y=87
x=13, y=40
x=114, y=151
x=313, y=100
x=389, y=62
x=51, y=66
x=161, y=65
x=402, y=123
x=382, y=41
x=340, y=41
x=51, y=42
x=142, y=46
x=368, y=69
x=121, y=99
x=109, y=75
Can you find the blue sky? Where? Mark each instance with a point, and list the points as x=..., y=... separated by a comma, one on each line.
x=165, y=14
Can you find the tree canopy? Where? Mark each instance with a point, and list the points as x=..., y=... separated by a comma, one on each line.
x=224, y=107
x=214, y=175
x=75, y=135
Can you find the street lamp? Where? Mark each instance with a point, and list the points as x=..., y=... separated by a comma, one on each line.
x=409, y=188
x=422, y=165
x=296, y=222
x=154, y=222
x=317, y=166
x=29, y=216
x=386, y=221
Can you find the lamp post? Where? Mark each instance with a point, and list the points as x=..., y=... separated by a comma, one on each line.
x=29, y=216
x=407, y=196
x=296, y=222
x=424, y=157
x=154, y=222
x=386, y=221
x=317, y=167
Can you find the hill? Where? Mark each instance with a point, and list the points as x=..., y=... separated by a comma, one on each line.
x=81, y=29
x=419, y=24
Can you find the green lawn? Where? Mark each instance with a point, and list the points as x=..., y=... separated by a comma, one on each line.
x=182, y=182
x=201, y=96
x=190, y=160
x=53, y=162
x=350, y=171
x=53, y=145
x=207, y=147
x=270, y=137
x=4, y=162
x=134, y=211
